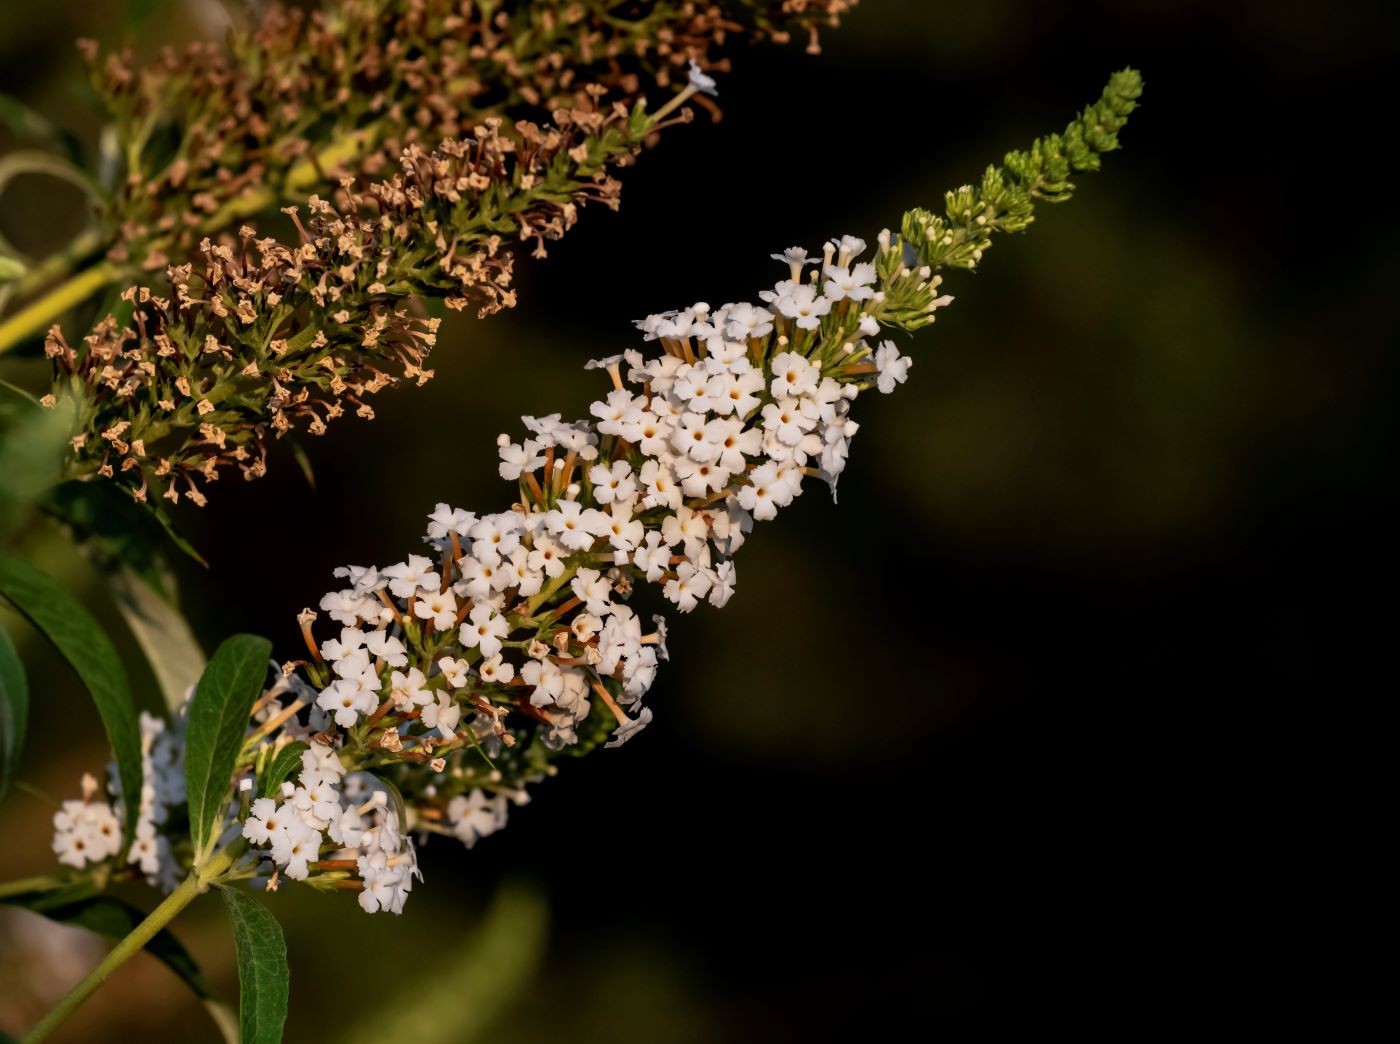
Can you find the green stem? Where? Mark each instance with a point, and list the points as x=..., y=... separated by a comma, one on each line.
x=128, y=947
x=42, y=313
x=44, y=883
x=59, y=264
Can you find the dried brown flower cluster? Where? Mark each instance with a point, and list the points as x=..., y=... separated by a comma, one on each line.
x=259, y=334
x=215, y=134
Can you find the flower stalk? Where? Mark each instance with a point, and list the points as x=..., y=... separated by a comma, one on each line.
x=158, y=918
x=219, y=134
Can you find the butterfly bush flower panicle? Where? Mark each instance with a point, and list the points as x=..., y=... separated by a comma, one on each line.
x=218, y=131
x=445, y=685
x=259, y=337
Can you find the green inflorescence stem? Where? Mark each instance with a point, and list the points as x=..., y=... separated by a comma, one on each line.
x=124, y=951
x=26, y=885
x=37, y=316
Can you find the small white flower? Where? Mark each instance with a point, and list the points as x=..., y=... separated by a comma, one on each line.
x=793, y=376
x=294, y=847
x=653, y=556
x=630, y=728
x=443, y=715
x=795, y=257
x=476, y=816
x=457, y=672
x=746, y=320
x=690, y=585
x=723, y=588
x=519, y=459
x=347, y=699
x=386, y=647
x=495, y=670
x=266, y=820
x=594, y=589
x=612, y=484
x=854, y=283
x=703, y=84
x=407, y=578
x=439, y=606
x=803, y=305
x=446, y=519
x=893, y=367
x=408, y=688
x=484, y=630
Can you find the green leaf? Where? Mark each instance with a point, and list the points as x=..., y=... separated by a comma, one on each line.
x=302, y=458
x=218, y=721
x=79, y=639
x=287, y=761
x=32, y=457
x=24, y=123
x=14, y=711
x=11, y=269
x=109, y=916
x=163, y=634
x=262, y=967
x=115, y=529
x=473, y=981
x=13, y=397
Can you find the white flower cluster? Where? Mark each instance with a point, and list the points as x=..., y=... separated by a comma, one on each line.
x=457, y=675
x=329, y=816
x=86, y=831
x=90, y=830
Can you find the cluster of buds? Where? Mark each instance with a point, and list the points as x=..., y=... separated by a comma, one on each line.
x=215, y=133
x=261, y=335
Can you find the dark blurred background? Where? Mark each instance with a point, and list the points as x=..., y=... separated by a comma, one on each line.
x=1010, y=735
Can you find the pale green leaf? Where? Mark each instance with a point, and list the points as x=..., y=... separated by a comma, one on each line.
x=163, y=634
x=471, y=984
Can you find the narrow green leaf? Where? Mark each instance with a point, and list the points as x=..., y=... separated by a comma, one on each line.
x=157, y=511
x=116, y=919
x=11, y=269
x=262, y=967
x=163, y=634
x=24, y=123
x=474, y=979
x=76, y=635
x=302, y=458
x=218, y=721
x=12, y=397
x=14, y=711
x=287, y=761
